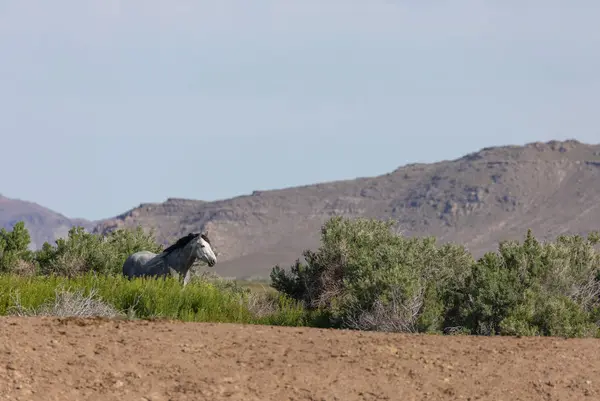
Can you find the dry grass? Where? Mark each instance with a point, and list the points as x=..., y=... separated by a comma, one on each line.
x=261, y=304
x=24, y=268
x=395, y=316
x=69, y=304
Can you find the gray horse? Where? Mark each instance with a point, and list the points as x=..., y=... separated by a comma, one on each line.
x=178, y=257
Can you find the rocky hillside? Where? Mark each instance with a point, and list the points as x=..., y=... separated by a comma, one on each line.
x=44, y=225
x=479, y=199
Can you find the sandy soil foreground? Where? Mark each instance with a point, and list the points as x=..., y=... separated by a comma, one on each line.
x=68, y=359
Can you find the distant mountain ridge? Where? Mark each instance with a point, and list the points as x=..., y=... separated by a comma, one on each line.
x=479, y=199
x=43, y=224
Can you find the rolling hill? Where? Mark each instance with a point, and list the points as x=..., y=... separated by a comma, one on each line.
x=479, y=199
x=44, y=225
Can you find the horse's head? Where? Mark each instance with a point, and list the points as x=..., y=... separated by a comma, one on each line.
x=203, y=250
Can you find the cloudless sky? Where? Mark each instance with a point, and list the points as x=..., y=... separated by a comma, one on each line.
x=105, y=104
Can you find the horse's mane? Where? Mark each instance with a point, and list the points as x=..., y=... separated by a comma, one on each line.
x=183, y=241
x=205, y=238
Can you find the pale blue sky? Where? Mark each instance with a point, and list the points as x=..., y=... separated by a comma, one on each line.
x=105, y=104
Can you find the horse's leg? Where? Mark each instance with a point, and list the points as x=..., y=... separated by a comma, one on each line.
x=187, y=278
x=181, y=278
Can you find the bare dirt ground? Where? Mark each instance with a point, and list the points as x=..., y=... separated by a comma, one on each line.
x=94, y=359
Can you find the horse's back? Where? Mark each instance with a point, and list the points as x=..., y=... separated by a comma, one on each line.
x=134, y=264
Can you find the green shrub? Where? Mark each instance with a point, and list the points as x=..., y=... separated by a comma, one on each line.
x=533, y=288
x=362, y=268
x=541, y=314
x=79, y=253
x=83, y=252
x=366, y=277
x=14, y=247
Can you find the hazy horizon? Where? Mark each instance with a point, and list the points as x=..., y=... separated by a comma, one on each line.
x=109, y=104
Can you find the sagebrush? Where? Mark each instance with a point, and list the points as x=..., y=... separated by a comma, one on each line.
x=81, y=252
x=363, y=276
x=366, y=277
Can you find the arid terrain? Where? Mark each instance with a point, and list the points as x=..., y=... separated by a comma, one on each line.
x=49, y=359
x=478, y=200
